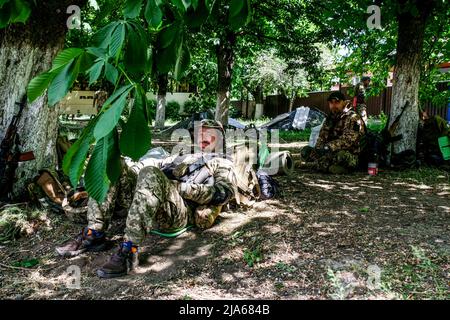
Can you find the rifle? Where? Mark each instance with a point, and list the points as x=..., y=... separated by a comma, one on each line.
x=389, y=131
x=388, y=134
x=10, y=155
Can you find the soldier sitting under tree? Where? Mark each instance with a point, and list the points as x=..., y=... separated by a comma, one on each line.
x=338, y=146
x=169, y=194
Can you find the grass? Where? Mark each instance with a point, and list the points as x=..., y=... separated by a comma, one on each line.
x=420, y=277
x=295, y=136
x=422, y=175
x=252, y=257
x=15, y=221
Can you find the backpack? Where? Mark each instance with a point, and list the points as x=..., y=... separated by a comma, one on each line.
x=269, y=187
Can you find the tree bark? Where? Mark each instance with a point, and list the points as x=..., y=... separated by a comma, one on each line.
x=225, y=62
x=160, y=117
x=26, y=51
x=411, y=31
x=259, y=108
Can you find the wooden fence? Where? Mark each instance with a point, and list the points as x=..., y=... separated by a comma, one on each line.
x=277, y=104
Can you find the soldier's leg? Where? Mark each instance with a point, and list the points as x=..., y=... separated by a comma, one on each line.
x=92, y=238
x=99, y=215
x=156, y=205
x=306, y=154
x=343, y=162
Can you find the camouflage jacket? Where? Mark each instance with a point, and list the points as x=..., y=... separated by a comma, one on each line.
x=205, y=179
x=360, y=93
x=342, y=131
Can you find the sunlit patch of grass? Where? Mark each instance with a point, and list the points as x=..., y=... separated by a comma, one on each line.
x=16, y=221
x=425, y=175
x=421, y=277
x=293, y=136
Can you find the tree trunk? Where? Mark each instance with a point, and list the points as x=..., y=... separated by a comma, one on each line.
x=160, y=118
x=26, y=51
x=291, y=103
x=259, y=108
x=411, y=32
x=225, y=62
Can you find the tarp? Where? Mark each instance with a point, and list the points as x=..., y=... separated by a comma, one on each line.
x=299, y=119
x=189, y=123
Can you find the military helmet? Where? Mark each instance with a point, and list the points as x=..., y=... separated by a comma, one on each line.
x=209, y=123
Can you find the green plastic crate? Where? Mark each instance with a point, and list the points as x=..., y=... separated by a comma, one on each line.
x=444, y=144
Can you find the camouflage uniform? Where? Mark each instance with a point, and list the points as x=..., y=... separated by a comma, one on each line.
x=360, y=96
x=167, y=204
x=341, y=133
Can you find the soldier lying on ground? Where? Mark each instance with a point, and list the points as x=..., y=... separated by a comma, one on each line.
x=168, y=194
x=338, y=146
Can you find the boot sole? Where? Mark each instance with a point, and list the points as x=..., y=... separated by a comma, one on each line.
x=105, y=275
x=100, y=247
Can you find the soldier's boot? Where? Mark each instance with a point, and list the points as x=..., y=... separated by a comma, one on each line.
x=121, y=262
x=86, y=240
x=337, y=169
x=206, y=215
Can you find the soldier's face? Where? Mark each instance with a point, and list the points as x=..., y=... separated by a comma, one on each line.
x=336, y=106
x=208, y=139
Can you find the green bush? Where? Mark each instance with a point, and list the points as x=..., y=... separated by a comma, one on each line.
x=195, y=105
x=173, y=111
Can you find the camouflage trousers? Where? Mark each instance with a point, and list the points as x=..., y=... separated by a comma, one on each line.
x=333, y=162
x=155, y=204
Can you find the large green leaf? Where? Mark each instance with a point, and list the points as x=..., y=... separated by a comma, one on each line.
x=116, y=94
x=75, y=158
x=96, y=179
x=117, y=40
x=153, y=13
x=37, y=85
x=114, y=164
x=102, y=38
x=136, y=52
x=182, y=5
x=108, y=120
x=66, y=56
x=168, y=35
x=111, y=73
x=20, y=10
x=14, y=11
x=98, y=52
x=239, y=19
x=61, y=84
x=166, y=59
x=183, y=62
x=95, y=71
x=132, y=8
x=196, y=16
x=135, y=137
x=236, y=7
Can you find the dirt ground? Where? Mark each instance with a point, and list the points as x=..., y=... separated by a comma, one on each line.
x=324, y=237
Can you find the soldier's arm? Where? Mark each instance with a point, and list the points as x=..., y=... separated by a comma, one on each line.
x=323, y=134
x=350, y=136
x=217, y=194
